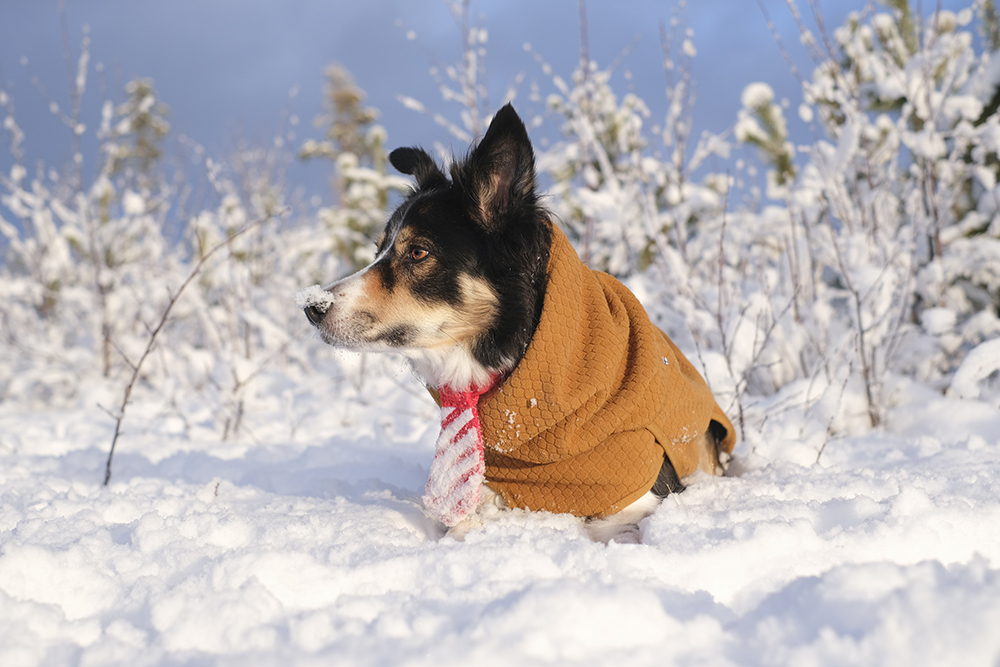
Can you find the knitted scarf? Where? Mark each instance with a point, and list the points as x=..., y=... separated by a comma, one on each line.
x=454, y=486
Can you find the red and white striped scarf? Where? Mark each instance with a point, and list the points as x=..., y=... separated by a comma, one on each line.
x=455, y=484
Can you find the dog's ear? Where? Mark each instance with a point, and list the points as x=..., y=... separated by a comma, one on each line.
x=498, y=177
x=417, y=163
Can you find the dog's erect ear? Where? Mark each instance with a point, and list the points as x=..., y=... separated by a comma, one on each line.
x=499, y=174
x=417, y=163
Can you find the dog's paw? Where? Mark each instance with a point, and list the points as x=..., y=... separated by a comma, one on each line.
x=607, y=532
x=464, y=527
x=490, y=507
x=623, y=527
x=629, y=534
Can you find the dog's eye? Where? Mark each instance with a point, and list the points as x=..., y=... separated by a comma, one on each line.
x=418, y=254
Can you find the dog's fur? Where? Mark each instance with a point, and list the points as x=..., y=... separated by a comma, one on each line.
x=458, y=283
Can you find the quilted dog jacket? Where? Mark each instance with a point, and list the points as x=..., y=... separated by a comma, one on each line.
x=582, y=423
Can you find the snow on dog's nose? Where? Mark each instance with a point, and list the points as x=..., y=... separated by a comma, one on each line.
x=315, y=301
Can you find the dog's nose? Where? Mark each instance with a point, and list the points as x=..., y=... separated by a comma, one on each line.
x=314, y=314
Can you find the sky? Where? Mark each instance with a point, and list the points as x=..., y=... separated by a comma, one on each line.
x=226, y=67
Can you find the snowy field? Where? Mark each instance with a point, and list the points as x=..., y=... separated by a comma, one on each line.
x=305, y=544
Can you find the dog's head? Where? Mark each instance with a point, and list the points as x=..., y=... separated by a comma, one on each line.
x=460, y=264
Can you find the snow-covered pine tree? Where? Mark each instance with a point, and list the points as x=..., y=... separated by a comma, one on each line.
x=356, y=146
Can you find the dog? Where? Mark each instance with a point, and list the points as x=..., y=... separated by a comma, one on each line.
x=557, y=392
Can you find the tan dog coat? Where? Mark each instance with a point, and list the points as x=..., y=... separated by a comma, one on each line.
x=582, y=423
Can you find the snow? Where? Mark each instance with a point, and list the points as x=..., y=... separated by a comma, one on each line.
x=133, y=203
x=756, y=95
x=805, y=113
x=938, y=321
x=748, y=129
x=314, y=548
x=314, y=296
x=979, y=364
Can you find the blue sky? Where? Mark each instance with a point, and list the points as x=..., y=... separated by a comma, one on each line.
x=225, y=67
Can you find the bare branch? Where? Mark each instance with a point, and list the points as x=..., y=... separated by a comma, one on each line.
x=163, y=321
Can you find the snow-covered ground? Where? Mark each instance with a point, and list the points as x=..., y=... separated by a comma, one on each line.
x=304, y=544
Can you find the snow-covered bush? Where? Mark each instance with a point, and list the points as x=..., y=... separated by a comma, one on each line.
x=97, y=253
x=83, y=254
x=891, y=212
x=870, y=254
x=874, y=251
x=356, y=146
x=623, y=187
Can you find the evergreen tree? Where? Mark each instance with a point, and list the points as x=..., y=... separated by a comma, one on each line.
x=356, y=146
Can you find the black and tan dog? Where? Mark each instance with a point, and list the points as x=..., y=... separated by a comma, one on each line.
x=552, y=372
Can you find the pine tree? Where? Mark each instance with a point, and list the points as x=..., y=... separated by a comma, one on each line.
x=356, y=146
